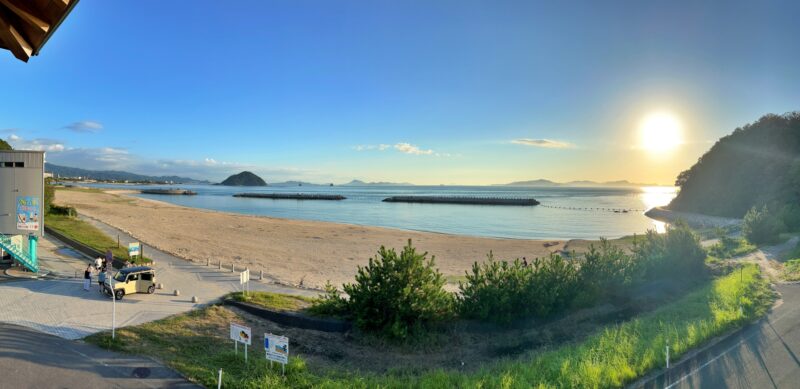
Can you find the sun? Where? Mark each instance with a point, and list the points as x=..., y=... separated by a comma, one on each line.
x=660, y=132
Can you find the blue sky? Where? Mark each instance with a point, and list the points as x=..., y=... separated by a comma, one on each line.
x=465, y=92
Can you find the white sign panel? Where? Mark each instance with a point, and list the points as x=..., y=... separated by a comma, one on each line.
x=244, y=276
x=134, y=249
x=241, y=333
x=277, y=348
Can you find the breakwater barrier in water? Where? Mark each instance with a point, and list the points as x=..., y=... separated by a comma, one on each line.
x=596, y=209
x=290, y=196
x=168, y=191
x=462, y=200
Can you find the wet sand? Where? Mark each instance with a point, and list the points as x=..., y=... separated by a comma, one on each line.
x=293, y=252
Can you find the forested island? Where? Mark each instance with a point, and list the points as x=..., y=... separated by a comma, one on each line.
x=244, y=179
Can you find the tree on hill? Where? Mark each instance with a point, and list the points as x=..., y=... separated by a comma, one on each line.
x=4, y=145
x=757, y=164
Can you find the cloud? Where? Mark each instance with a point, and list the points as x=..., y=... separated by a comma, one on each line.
x=85, y=126
x=546, y=143
x=411, y=149
x=39, y=144
x=380, y=147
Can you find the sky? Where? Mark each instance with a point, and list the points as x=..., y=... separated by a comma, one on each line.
x=444, y=92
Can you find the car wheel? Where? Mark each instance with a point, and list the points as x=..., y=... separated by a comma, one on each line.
x=118, y=294
x=151, y=289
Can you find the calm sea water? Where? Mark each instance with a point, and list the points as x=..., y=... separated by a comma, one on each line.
x=564, y=213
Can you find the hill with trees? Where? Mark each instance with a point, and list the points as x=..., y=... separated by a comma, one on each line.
x=4, y=145
x=244, y=179
x=756, y=165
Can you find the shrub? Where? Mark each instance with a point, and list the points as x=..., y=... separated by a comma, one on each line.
x=496, y=290
x=760, y=226
x=502, y=291
x=789, y=215
x=605, y=271
x=394, y=294
x=677, y=253
x=63, y=210
x=331, y=303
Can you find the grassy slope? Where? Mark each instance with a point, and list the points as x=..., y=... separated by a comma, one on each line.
x=274, y=301
x=196, y=344
x=85, y=233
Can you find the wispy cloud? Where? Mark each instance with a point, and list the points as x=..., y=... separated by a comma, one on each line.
x=545, y=143
x=39, y=144
x=403, y=147
x=411, y=149
x=85, y=126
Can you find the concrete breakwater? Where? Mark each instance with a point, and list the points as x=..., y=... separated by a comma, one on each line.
x=462, y=200
x=168, y=191
x=290, y=196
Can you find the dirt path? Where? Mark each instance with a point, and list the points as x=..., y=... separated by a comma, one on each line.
x=767, y=258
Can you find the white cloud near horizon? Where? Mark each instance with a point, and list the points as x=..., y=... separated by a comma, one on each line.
x=403, y=147
x=544, y=143
x=38, y=144
x=85, y=126
x=411, y=149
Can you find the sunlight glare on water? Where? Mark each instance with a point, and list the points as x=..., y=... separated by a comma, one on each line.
x=657, y=196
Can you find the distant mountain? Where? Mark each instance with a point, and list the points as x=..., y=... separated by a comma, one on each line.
x=548, y=183
x=113, y=175
x=362, y=183
x=757, y=164
x=297, y=183
x=244, y=179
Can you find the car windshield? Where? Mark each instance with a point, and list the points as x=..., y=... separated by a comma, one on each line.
x=120, y=277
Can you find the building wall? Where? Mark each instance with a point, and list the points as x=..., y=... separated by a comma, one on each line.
x=21, y=177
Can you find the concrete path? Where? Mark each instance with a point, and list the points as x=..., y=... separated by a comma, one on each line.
x=61, y=307
x=763, y=355
x=31, y=359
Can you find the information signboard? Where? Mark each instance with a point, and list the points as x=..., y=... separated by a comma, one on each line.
x=134, y=249
x=241, y=334
x=276, y=348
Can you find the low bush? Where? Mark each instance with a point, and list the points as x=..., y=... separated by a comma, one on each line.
x=62, y=210
x=394, y=294
x=760, y=226
x=791, y=270
x=605, y=270
x=789, y=215
x=677, y=254
x=728, y=247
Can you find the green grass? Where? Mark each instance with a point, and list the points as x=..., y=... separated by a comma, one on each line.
x=274, y=301
x=734, y=248
x=791, y=270
x=196, y=345
x=87, y=234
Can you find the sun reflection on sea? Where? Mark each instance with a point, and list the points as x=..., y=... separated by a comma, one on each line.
x=656, y=196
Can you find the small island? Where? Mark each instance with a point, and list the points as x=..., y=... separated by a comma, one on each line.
x=244, y=179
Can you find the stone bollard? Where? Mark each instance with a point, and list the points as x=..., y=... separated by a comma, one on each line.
x=261, y=275
x=177, y=292
x=160, y=286
x=195, y=299
x=220, y=264
x=233, y=267
x=208, y=262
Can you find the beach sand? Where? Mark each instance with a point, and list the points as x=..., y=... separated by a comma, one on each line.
x=293, y=252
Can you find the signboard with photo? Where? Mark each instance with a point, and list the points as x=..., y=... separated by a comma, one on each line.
x=28, y=213
x=134, y=249
x=241, y=334
x=277, y=348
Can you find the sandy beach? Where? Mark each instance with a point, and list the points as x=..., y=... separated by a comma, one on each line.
x=290, y=251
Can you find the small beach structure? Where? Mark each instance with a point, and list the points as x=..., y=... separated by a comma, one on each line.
x=291, y=196
x=462, y=200
x=173, y=192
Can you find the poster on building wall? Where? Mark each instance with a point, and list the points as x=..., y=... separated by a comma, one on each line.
x=28, y=213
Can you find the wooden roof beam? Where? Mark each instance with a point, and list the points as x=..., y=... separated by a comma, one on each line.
x=26, y=14
x=15, y=41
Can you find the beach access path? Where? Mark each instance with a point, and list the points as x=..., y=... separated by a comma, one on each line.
x=59, y=306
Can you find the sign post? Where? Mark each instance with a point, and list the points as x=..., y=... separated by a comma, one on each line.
x=276, y=349
x=134, y=249
x=113, y=308
x=244, y=279
x=240, y=333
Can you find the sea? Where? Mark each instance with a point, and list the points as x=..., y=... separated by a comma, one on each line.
x=564, y=212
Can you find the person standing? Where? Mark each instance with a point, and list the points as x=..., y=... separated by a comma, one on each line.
x=109, y=257
x=87, y=278
x=101, y=279
x=98, y=263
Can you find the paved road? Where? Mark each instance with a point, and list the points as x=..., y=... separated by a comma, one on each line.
x=31, y=359
x=763, y=355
